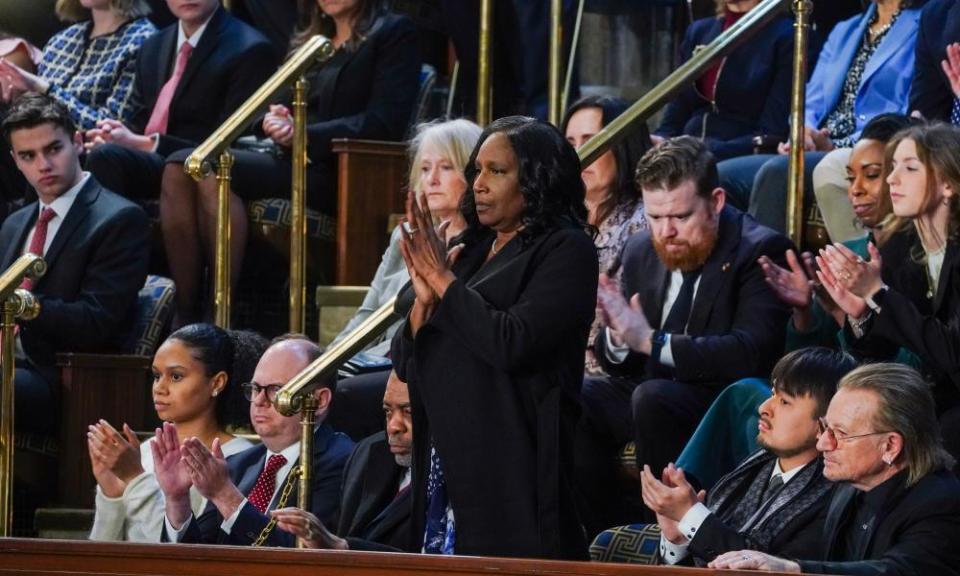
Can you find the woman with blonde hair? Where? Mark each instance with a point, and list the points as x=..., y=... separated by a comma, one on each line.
x=907, y=294
x=90, y=65
x=438, y=158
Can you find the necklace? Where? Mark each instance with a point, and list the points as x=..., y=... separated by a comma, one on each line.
x=493, y=248
x=875, y=34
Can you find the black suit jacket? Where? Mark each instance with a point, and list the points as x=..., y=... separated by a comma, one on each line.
x=799, y=537
x=229, y=63
x=930, y=92
x=930, y=328
x=368, y=92
x=330, y=452
x=915, y=534
x=370, y=508
x=494, y=376
x=737, y=324
x=96, y=265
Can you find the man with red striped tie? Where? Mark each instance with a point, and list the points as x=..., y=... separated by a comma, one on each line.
x=240, y=492
x=96, y=247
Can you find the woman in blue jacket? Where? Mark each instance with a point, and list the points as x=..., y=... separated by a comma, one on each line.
x=864, y=69
x=744, y=95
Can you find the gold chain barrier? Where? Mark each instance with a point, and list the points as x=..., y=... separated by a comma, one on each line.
x=198, y=165
x=16, y=303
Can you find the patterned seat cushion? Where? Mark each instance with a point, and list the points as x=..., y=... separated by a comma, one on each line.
x=154, y=308
x=633, y=544
x=278, y=212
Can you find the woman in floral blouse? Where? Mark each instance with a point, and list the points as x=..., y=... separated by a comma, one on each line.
x=613, y=201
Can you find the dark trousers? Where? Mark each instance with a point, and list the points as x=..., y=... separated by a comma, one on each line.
x=130, y=173
x=36, y=402
x=658, y=415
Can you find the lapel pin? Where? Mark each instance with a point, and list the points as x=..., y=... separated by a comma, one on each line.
x=725, y=267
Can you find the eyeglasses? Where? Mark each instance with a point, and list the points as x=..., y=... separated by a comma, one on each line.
x=835, y=440
x=251, y=390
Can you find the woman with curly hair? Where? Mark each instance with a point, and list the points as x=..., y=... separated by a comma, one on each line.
x=492, y=350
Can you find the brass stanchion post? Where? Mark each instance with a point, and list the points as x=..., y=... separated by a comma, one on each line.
x=554, y=111
x=6, y=421
x=572, y=58
x=307, y=419
x=222, y=288
x=802, y=10
x=485, y=64
x=298, y=201
x=19, y=304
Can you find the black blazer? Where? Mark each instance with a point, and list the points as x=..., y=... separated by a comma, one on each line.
x=494, y=376
x=370, y=507
x=928, y=328
x=366, y=93
x=916, y=533
x=930, y=92
x=96, y=265
x=229, y=63
x=330, y=452
x=752, y=96
x=737, y=324
x=799, y=537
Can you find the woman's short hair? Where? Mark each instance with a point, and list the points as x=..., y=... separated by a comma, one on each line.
x=454, y=140
x=73, y=11
x=548, y=171
x=906, y=407
x=627, y=152
x=233, y=352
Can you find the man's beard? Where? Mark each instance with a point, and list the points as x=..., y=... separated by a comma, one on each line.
x=692, y=257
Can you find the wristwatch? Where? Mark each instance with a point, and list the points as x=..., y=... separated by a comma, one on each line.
x=875, y=300
x=657, y=341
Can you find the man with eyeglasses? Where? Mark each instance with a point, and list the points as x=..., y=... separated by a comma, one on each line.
x=897, y=510
x=243, y=490
x=776, y=499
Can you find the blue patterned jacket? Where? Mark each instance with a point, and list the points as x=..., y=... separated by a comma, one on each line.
x=93, y=77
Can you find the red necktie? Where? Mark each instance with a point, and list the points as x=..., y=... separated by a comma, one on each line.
x=161, y=110
x=39, y=240
x=262, y=491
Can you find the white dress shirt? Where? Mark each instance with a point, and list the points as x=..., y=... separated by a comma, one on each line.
x=61, y=206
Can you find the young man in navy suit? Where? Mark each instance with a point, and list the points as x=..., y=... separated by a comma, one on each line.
x=95, y=244
x=191, y=77
x=242, y=491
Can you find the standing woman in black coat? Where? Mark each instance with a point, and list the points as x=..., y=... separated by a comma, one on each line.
x=493, y=350
x=908, y=294
x=367, y=90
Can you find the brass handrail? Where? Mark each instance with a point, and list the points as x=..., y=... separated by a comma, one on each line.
x=14, y=303
x=199, y=165
x=620, y=127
